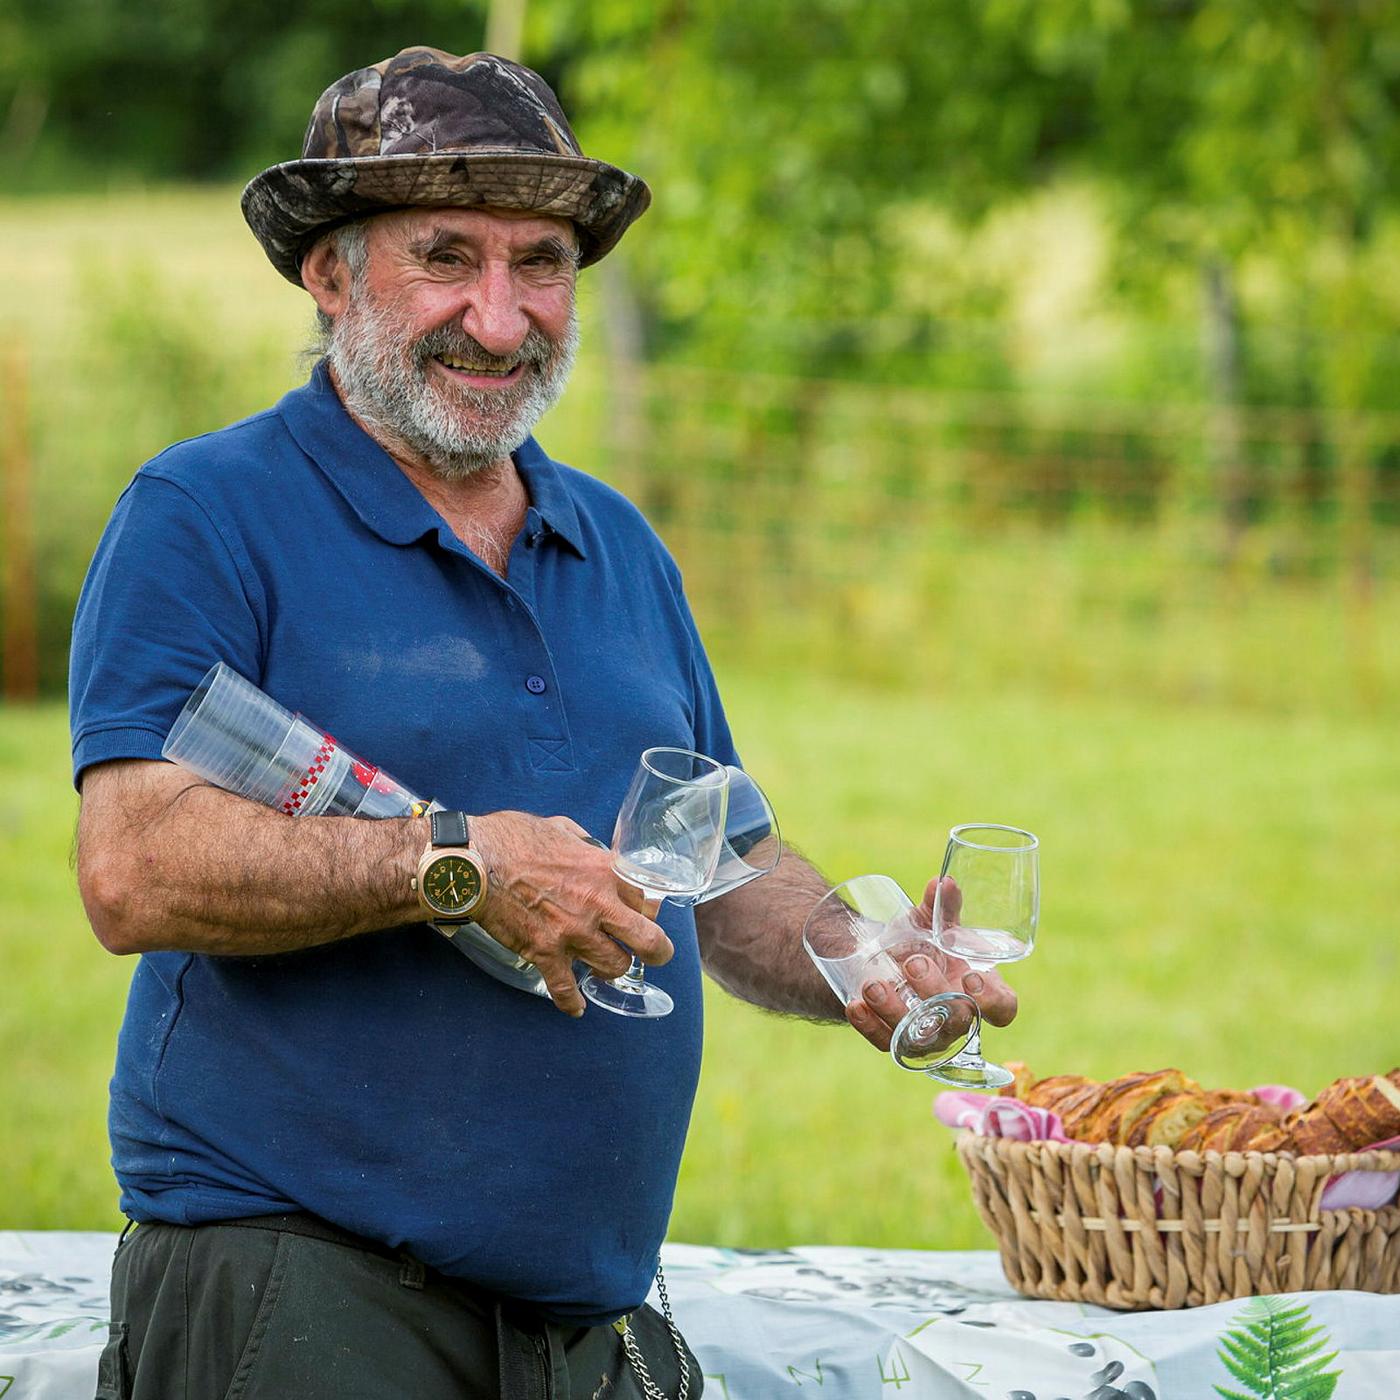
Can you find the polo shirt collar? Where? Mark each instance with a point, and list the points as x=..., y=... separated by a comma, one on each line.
x=379, y=492
x=549, y=494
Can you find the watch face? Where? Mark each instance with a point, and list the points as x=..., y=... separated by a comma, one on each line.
x=451, y=885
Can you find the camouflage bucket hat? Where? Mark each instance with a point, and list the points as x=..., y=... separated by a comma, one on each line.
x=429, y=128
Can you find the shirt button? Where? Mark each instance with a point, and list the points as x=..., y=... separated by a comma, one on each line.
x=535, y=685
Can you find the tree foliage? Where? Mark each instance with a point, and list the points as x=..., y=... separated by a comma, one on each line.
x=190, y=89
x=793, y=148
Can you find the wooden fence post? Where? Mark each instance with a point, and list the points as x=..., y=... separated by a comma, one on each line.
x=19, y=662
x=505, y=28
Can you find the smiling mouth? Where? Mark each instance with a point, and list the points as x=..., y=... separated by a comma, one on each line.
x=479, y=371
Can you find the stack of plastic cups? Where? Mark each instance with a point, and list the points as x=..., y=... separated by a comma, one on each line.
x=233, y=735
x=243, y=741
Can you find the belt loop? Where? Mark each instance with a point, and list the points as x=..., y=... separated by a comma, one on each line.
x=411, y=1271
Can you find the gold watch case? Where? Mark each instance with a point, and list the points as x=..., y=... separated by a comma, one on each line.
x=451, y=881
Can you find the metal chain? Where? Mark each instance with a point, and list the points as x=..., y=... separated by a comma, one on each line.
x=634, y=1352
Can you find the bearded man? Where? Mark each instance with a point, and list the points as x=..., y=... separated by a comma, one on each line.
x=359, y=1165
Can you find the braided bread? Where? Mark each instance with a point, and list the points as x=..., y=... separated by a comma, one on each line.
x=1236, y=1127
x=1165, y=1108
x=1364, y=1109
x=1166, y=1120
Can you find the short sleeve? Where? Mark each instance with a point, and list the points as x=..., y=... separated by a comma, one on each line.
x=167, y=595
x=712, y=736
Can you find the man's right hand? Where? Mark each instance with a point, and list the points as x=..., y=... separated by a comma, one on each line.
x=553, y=898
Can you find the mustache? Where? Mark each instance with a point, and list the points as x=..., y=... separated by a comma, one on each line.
x=536, y=349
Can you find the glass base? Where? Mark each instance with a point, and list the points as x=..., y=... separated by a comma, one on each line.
x=972, y=1072
x=942, y=1038
x=626, y=996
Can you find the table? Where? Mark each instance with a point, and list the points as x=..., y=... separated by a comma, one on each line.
x=851, y=1324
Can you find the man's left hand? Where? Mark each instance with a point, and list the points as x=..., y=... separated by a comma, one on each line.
x=882, y=1008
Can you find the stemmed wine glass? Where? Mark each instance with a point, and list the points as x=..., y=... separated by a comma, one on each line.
x=752, y=844
x=989, y=912
x=865, y=930
x=666, y=842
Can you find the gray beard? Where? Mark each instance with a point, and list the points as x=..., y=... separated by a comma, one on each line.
x=455, y=429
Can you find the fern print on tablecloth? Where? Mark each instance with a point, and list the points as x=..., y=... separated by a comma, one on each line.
x=1276, y=1354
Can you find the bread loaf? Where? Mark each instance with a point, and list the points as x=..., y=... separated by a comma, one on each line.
x=1363, y=1110
x=1313, y=1132
x=1164, y=1108
x=1077, y=1107
x=1166, y=1120
x=1126, y=1100
x=1047, y=1093
x=1236, y=1127
x=1021, y=1081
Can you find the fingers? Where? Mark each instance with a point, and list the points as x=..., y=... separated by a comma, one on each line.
x=940, y=972
x=932, y=971
x=639, y=934
x=883, y=1005
x=635, y=898
x=869, y=1025
x=951, y=906
x=563, y=989
x=605, y=956
x=607, y=951
x=994, y=998
x=883, y=1009
x=879, y=1012
x=553, y=899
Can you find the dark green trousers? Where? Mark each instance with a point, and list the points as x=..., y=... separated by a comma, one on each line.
x=289, y=1310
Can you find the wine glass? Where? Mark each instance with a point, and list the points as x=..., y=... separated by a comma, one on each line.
x=752, y=844
x=666, y=843
x=865, y=930
x=989, y=912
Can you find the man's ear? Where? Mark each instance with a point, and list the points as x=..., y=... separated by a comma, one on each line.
x=325, y=275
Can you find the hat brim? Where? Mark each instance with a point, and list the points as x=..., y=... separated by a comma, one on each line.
x=289, y=206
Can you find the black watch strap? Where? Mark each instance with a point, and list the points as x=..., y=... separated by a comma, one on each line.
x=450, y=829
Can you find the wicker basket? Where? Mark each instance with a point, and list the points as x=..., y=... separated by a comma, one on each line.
x=1147, y=1227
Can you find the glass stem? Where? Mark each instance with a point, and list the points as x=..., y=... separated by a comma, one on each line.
x=636, y=974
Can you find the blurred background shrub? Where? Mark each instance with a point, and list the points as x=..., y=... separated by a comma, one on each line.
x=1081, y=309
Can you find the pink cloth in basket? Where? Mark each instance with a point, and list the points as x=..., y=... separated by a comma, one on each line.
x=1364, y=1190
x=1010, y=1118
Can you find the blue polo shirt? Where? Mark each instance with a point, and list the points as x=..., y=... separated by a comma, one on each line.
x=383, y=1082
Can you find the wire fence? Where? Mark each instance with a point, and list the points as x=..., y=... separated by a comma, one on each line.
x=1181, y=550
x=1173, y=550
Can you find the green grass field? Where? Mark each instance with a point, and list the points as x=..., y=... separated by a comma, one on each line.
x=1209, y=759
x=1220, y=894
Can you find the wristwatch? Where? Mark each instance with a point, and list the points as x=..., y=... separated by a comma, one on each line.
x=451, y=878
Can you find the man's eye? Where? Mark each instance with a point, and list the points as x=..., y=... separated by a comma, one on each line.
x=446, y=259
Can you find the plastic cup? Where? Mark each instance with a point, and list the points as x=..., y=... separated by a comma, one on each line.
x=239, y=739
x=233, y=735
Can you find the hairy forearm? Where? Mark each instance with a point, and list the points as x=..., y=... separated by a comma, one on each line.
x=751, y=941
x=168, y=862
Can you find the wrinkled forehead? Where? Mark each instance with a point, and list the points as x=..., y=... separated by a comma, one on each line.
x=508, y=228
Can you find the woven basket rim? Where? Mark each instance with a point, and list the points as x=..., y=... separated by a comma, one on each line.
x=1373, y=1159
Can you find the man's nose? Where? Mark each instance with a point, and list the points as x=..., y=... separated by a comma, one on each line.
x=495, y=315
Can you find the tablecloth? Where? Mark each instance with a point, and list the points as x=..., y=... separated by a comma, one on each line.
x=849, y=1324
